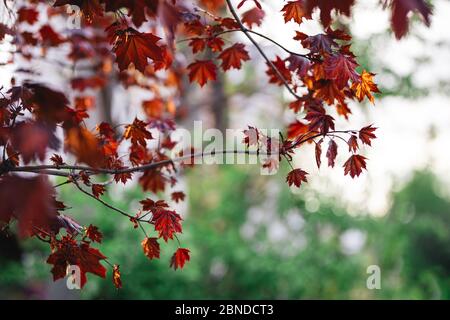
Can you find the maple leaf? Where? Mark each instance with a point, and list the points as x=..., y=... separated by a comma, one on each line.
x=299, y=65
x=94, y=234
x=167, y=222
x=215, y=44
x=150, y=205
x=280, y=64
x=136, y=8
x=317, y=44
x=179, y=258
x=153, y=180
x=365, y=86
x=340, y=68
x=48, y=105
x=116, y=277
x=297, y=129
x=319, y=120
x=137, y=133
x=233, y=56
x=98, y=190
x=366, y=134
x=296, y=177
x=28, y=14
x=151, y=248
x=31, y=139
x=69, y=253
x=327, y=6
x=253, y=16
x=354, y=165
x=202, y=71
x=197, y=44
x=57, y=160
x=84, y=145
x=178, y=196
x=400, y=14
x=132, y=46
x=295, y=10
x=30, y=201
x=318, y=153
x=328, y=91
x=352, y=143
x=332, y=153
x=50, y=37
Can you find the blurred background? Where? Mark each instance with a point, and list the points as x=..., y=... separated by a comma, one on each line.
x=250, y=236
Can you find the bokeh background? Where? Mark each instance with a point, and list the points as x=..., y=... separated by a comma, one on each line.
x=252, y=237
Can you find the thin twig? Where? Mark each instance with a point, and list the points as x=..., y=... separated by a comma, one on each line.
x=263, y=54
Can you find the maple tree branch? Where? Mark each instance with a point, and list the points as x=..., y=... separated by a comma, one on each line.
x=45, y=168
x=55, y=169
x=260, y=50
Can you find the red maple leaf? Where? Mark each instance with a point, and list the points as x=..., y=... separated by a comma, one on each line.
x=153, y=180
x=253, y=16
x=202, y=71
x=69, y=253
x=295, y=10
x=136, y=9
x=179, y=258
x=132, y=46
x=280, y=64
x=178, y=196
x=297, y=129
x=94, y=234
x=400, y=14
x=32, y=139
x=354, y=165
x=327, y=6
x=167, y=222
x=98, y=190
x=332, y=153
x=151, y=248
x=233, y=56
x=137, y=132
x=352, y=143
x=366, y=134
x=319, y=120
x=296, y=177
x=29, y=200
x=197, y=44
x=28, y=14
x=340, y=68
x=318, y=153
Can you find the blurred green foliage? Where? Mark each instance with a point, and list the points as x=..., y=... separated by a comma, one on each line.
x=229, y=229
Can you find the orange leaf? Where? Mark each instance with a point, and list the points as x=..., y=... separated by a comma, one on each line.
x=295, y=10
x=117, y=277
x=151, y=248
x=365, y=86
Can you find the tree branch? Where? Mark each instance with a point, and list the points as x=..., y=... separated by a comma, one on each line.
x=263, y=54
